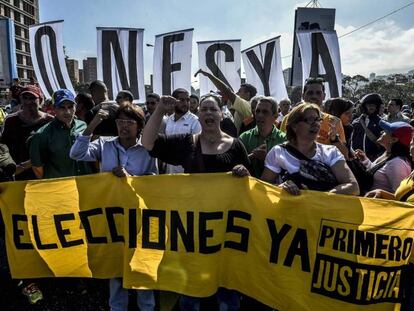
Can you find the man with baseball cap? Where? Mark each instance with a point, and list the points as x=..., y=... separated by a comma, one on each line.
x=50, y=145
x=19, y=126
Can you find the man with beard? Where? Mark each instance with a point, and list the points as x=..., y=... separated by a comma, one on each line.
x=331, y=131
x=182, y=121
x=366, y=127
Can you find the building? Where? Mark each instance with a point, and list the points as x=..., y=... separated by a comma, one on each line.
x=81, y=77
x=24, y=13
x=73, y=70
x=286, y=75
x=89, y=69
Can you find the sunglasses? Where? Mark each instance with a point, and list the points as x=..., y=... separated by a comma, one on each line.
x=311, y=121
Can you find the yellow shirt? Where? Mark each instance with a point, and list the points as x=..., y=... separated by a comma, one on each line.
x=323, y=136
x=405, y=186
x=242, y=110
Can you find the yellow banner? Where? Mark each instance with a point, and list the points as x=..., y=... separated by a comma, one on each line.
x=194, y=233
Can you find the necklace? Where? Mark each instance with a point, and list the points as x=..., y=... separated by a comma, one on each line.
x=212, y=140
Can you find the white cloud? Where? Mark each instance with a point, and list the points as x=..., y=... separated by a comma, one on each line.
x=382, y=48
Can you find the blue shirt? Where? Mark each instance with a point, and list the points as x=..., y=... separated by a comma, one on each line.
x=111, y=153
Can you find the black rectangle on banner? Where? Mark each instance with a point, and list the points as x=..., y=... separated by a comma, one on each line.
x=355, y=282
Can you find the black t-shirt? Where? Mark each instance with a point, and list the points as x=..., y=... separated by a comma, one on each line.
x=181, y=150
x=15, y=135
x=228, y=127
x=108, y=126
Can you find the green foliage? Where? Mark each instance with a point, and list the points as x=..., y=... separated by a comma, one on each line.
x=352, y=86
x=357, y=86
x=391, y=90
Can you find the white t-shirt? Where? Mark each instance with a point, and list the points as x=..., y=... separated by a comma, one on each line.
x=279, y=158
x=187, y=124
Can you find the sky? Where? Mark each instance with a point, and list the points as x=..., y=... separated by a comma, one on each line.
x=384, y=47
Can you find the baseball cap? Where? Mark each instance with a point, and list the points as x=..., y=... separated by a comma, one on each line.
x=31, y=89
x=401, y=130
x=61, y=96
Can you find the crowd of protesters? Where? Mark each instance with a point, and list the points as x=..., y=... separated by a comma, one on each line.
x=332, y=145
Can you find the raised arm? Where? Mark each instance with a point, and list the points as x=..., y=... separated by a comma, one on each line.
x=151, y=129
x=99, y=117
x=220, y=85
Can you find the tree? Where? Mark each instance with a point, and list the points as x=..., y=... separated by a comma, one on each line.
x=392, y=90
x=352, y=86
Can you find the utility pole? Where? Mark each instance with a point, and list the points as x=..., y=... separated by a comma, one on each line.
x=314, y=4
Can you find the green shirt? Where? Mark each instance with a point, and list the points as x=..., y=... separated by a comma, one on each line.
x=50, y=147
x=252, y=139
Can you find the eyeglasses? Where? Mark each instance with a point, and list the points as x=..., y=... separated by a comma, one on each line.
x=311, y=121
x=125, y=122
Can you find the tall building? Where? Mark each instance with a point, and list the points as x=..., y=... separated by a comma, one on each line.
x=81, y=76
x=73, y=70
x=286, y=75
x=24, y=13
x=89, y=69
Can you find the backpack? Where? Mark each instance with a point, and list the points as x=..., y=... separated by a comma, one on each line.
x=313, y=174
